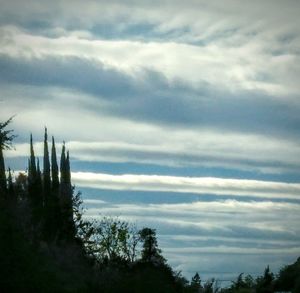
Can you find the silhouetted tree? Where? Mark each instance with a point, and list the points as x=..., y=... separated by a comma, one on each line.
x=68, y=230
x=208, y=286
x=150, y=252
x=5, y=143
x=289, y=278
x=265, y=284
x=196, y=283
x=54, y=168
x=46, y=170
x=35, y=189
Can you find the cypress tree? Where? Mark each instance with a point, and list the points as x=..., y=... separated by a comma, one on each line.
x=32, y=166
x=35, y=190
x=39, y=184
x=31, y=173
x=38, y=171
x=66, y=197
x=54, y=168
x=63, y=165
x=46, y=173
x=49, y=215
x=68, y=170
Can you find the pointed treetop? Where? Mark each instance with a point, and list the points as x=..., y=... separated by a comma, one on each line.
x=46, y=173
x=54, y=167
x=31, y=165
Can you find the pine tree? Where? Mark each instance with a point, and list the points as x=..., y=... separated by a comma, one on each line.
x=150, y=252
x=196, y=283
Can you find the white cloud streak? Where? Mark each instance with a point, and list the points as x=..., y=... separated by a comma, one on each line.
x=200, y=185
x=232, y=67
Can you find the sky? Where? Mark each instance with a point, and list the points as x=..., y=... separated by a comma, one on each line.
x=179, y=115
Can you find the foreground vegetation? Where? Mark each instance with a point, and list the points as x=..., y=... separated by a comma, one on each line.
x=46, y=245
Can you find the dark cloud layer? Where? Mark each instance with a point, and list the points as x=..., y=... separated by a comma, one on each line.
x=155, y=99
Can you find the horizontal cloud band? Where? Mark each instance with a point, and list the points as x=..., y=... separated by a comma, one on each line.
x=198, y=185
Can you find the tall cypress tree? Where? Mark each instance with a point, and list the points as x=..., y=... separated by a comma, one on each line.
x=63, y=165
x=32, y=165
x=39, y=184
x=31, y=173
x=35, y=190
x=46, y=173
x=54, y=168
x=49, y=227
x=68, y=170
x=66, y=197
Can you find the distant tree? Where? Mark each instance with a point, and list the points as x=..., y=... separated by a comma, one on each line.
x=150, y=252
x=265, y=284
x=196, y=283
x=115, y=240
x=208, y=286
x=6, y=138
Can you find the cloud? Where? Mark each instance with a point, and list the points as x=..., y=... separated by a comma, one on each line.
x=146, y=95
x=212, y=237
x=244, y=67
x=192, y=85
x=204, y=185
x=184, y=148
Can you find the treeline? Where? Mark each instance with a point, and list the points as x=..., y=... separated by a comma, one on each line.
x=46, y=245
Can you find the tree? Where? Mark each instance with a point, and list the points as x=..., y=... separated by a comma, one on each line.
x=196, y=283
x=68, y=230
x=208, y=286
x=264, y=284
x=150, y=252
x=6, y=139
x=115, y=240
x=289, y=278
x=46, y=171
x=54, y=168
x=35, y=189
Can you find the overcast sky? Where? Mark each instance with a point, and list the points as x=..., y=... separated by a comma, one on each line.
x=179, y=115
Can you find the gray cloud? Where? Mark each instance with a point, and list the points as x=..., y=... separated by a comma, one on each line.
x=187, y=83
x=155, y=99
